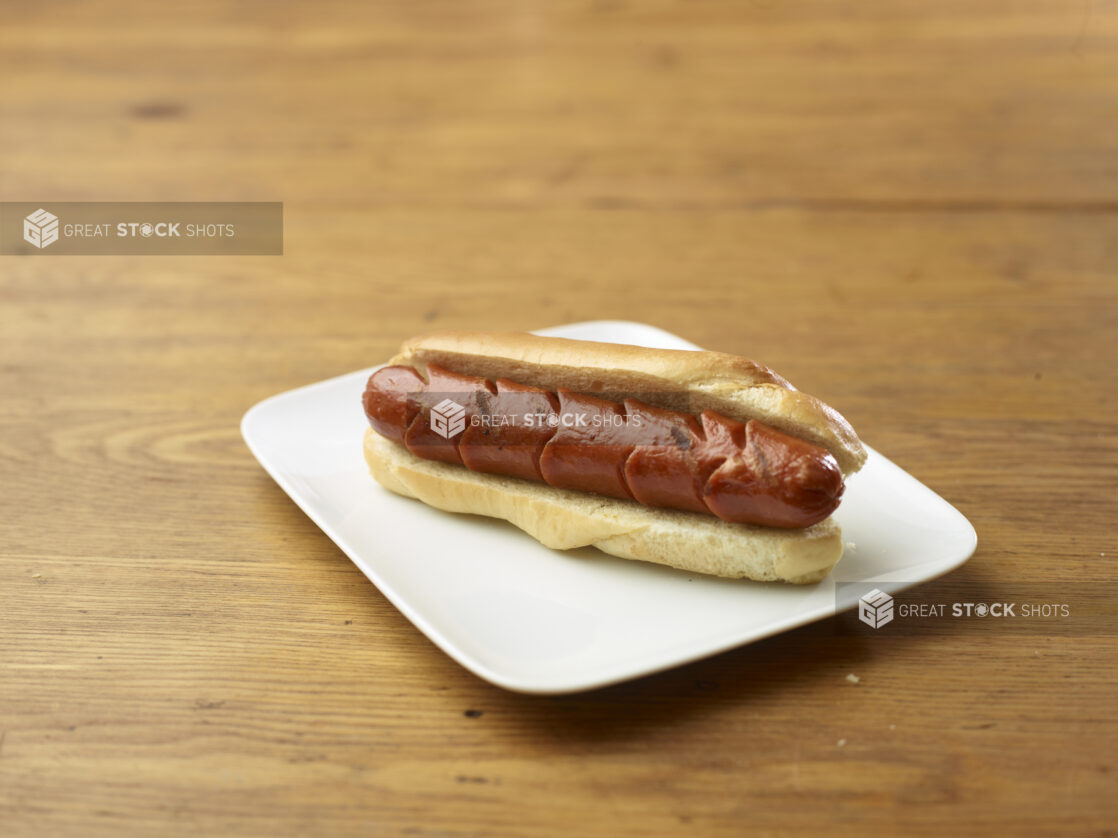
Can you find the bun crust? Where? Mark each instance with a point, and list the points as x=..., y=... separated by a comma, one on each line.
x=562, y=520
x=670, y=378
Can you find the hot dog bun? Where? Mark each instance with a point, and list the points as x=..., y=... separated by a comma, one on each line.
x=675, y=379
x=672, y=379
x=563, y=519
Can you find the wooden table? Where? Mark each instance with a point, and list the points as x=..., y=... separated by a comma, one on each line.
x=910, y=209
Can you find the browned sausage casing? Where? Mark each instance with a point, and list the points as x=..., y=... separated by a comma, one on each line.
x=742, y=472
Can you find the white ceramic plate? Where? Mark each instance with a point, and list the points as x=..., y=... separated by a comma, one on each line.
x=536, y=620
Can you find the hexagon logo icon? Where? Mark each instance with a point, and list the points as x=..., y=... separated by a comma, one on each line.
x=40, y=228
x=875, y=609
x=448, y=418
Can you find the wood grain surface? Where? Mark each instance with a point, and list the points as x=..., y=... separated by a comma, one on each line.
x=910, y=209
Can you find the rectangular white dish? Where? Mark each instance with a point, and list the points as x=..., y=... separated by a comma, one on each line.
x=536, y=620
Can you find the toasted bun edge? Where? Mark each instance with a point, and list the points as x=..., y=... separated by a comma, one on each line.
x=692, y=381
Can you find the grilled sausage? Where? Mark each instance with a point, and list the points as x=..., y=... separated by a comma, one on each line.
x=741, y=472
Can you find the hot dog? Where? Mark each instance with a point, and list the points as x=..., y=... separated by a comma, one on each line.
x=699, y=460
x=745, y=473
